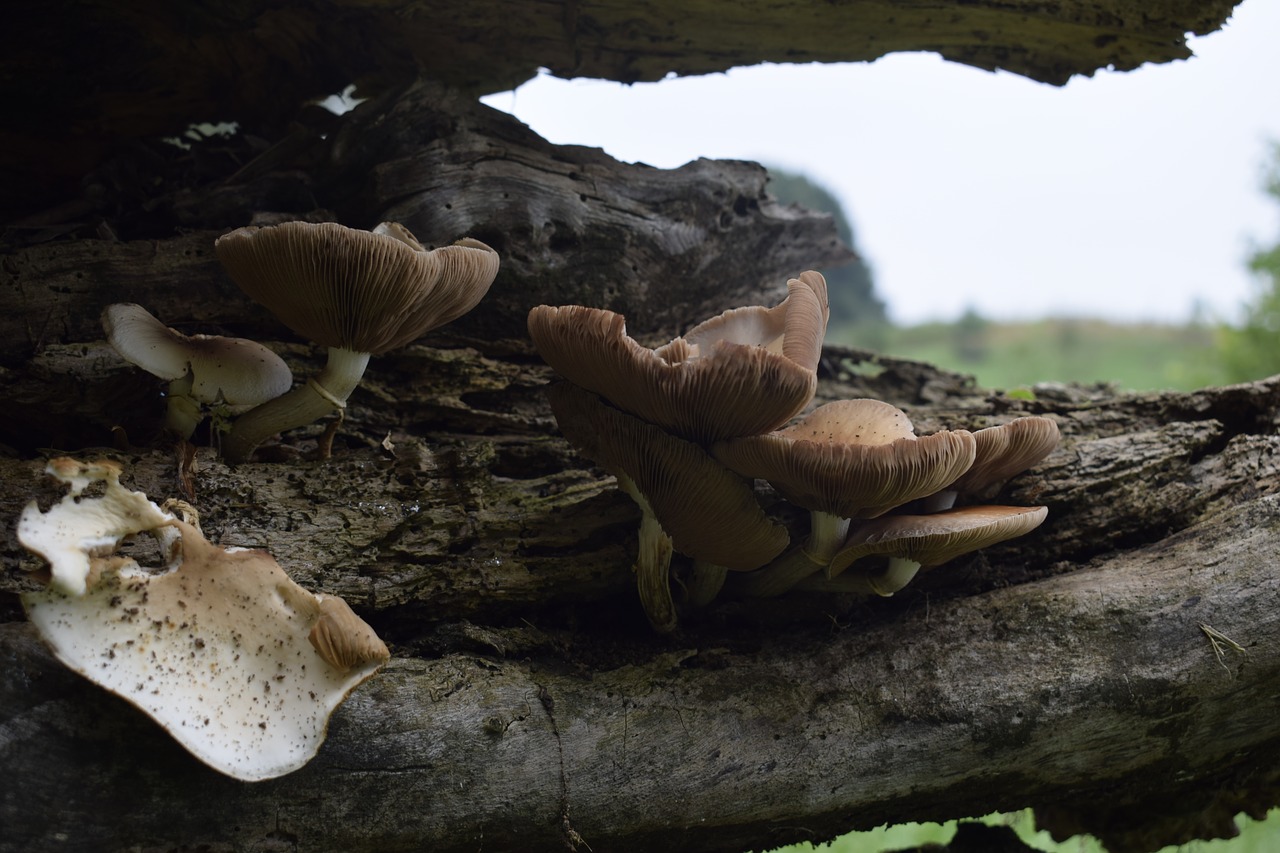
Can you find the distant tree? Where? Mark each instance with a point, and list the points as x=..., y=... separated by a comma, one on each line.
x=853, y=298
x=1252, y=350
x=969, y=337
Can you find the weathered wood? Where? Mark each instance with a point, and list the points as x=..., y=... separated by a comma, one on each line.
x=1094, y=692
x=665, y=247
x=1066, y=669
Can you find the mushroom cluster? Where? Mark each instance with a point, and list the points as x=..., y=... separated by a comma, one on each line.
x=358, y=293
x=649, y=417
x=858, y=467
x=237, y=662
x=687, y=427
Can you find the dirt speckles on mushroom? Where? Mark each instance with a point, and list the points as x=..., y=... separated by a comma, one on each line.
x=166, y=641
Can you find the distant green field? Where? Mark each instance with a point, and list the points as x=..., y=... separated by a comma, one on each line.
x=1137, y=357
x=1255, y=837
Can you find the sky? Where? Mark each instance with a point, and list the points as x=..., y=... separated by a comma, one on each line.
x=1132, y=196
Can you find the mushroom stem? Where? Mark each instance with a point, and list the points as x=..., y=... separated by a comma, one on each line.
x=827, y=533
x=182, y=414
x=885, y=583
x=653, y=566
x=301, y=406
x=939, y=501
x=704, y=583
x=848, y=583
x=777, y=577
x=898, y=574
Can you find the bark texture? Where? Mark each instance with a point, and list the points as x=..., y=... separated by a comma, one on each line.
x=1071, y=670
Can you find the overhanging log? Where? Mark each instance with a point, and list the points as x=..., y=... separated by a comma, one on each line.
x=89, y=77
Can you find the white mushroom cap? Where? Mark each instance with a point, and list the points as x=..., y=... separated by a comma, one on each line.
x=767, y=327
x=221, y=648
x=234, y=371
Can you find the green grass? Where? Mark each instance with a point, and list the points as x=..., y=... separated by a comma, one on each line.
x=1255, y=837
x=1135, y=357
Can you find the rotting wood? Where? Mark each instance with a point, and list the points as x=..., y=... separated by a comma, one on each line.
x=496, y=565
x=1093, y=692
x=666, y=247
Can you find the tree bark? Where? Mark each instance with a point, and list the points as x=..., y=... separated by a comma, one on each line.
x=1087, y=670
x=1070, y=671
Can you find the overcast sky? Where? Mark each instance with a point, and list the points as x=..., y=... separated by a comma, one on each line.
x=1126, y=195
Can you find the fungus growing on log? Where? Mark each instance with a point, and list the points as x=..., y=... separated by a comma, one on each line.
x=913, y=542
x=359, y=293
x=999, y=453
x=232, y=374
x=848, y=459
x=744, y=372
x=237, y=662
x=75, y=533
x=688, y=501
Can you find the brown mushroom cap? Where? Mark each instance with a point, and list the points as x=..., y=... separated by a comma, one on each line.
x=851, y=458
x=364, y=291
x=721, y=385
x=933, y=539
x=759, y=326
x=342, y=638
x=1008, y=449
x=708, y=511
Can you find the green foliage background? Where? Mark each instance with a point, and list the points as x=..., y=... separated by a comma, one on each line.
x=1255, y=837
x=1135, y=357
x=1252, y=350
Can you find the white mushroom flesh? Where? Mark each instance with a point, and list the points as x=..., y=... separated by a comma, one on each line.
x=75, y=530
x=215, y=647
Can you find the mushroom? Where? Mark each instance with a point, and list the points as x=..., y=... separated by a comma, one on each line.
x=743, y=373
x=76, y=531
x=847, y=459
x=754, y=325
x=688, y=501
x=232, y=374
x=237, y=662
x=913, y=542
x=1001, y=452
x=359, y=293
